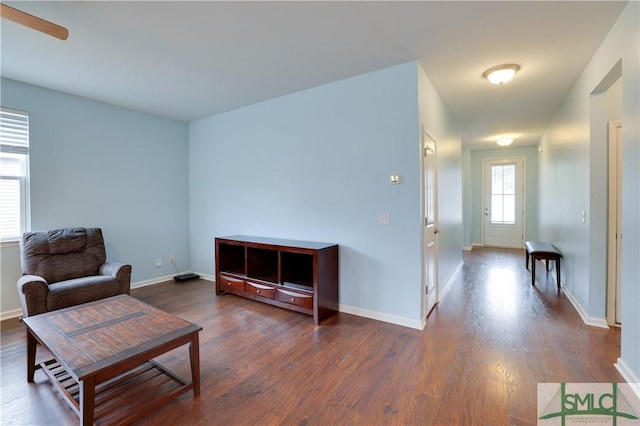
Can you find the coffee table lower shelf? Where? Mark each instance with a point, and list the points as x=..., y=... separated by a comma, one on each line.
x=124, y=398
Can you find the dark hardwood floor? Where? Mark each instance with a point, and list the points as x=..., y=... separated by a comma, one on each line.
x=478, y=361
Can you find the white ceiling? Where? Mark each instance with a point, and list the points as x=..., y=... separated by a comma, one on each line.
x=189, y=60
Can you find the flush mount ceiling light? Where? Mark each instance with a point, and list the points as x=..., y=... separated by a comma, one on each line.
x=501, y=74
x=504, y=141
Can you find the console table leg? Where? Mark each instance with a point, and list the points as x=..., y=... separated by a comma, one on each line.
x=31, y=356
x=194, y=352
x=87, y=401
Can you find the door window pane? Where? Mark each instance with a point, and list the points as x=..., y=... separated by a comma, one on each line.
x=503, y=189
x=509, y=208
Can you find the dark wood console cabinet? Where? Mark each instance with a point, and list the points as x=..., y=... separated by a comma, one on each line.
x=298, y=275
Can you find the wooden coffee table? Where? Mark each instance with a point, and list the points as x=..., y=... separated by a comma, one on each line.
x=103, y=354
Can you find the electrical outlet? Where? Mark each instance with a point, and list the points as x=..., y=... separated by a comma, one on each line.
x=158, y=263
x=172, y=258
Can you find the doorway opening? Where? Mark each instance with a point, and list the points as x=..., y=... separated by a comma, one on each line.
x=614, y=268
x=605, y=182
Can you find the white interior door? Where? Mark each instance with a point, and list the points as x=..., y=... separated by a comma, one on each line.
x=503, y=202
x=614, y=249
x=430, y=231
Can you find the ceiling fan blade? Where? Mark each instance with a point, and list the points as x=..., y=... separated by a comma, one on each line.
x=34, y=22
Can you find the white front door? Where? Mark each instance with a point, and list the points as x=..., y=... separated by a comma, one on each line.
x=503, y=202
x=430, y=231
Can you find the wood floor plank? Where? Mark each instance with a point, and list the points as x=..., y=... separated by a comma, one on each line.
x=478, y=360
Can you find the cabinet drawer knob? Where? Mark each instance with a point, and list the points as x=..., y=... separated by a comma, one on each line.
x=258, y=291
x=293, y=300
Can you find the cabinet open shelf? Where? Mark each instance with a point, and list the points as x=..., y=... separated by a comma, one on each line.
x=262, y=264
x=296, y=270
x=232, y=259
x=297, y=275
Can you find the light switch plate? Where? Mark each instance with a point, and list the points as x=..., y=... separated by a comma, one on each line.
x=395, y=179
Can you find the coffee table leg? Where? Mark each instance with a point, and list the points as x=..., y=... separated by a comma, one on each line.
x=87, y=401
x=194, y=352
x=31, y=356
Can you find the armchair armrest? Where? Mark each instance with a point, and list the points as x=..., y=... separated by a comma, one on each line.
x=32, y=291
x=119, y=271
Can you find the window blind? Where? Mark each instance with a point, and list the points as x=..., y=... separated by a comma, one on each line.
x=14, y=131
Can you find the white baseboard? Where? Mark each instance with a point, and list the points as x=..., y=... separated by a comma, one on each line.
x=472, y=246
x=379, y=316
x=207, y=277
x=594, y=322
x=628, y=375
x=152, y=281
x=14, y=313
x=449, y=283
x=159, y=280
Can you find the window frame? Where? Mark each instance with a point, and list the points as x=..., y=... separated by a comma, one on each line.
x=18, y=145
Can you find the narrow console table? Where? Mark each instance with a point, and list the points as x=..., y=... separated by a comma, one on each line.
x=298, y=275
x=539, y=250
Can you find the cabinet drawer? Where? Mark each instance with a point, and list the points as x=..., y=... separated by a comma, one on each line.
x=233, y=285
x=261, y=290
x=303, y=300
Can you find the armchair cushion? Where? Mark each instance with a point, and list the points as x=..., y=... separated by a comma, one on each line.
x=66, y=267
x=81, y=290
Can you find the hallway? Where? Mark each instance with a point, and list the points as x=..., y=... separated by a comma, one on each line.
x=505, y=336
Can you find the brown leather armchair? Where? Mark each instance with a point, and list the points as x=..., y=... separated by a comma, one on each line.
x=66, y=267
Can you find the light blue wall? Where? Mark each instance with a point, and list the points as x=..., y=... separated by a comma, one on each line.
x=315, y=165
x=95, y=164
x=572, y=159
x=475, y=171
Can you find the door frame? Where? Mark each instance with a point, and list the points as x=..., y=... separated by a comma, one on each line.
x=424, y=136
x=614, y=238
x=523, y=192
